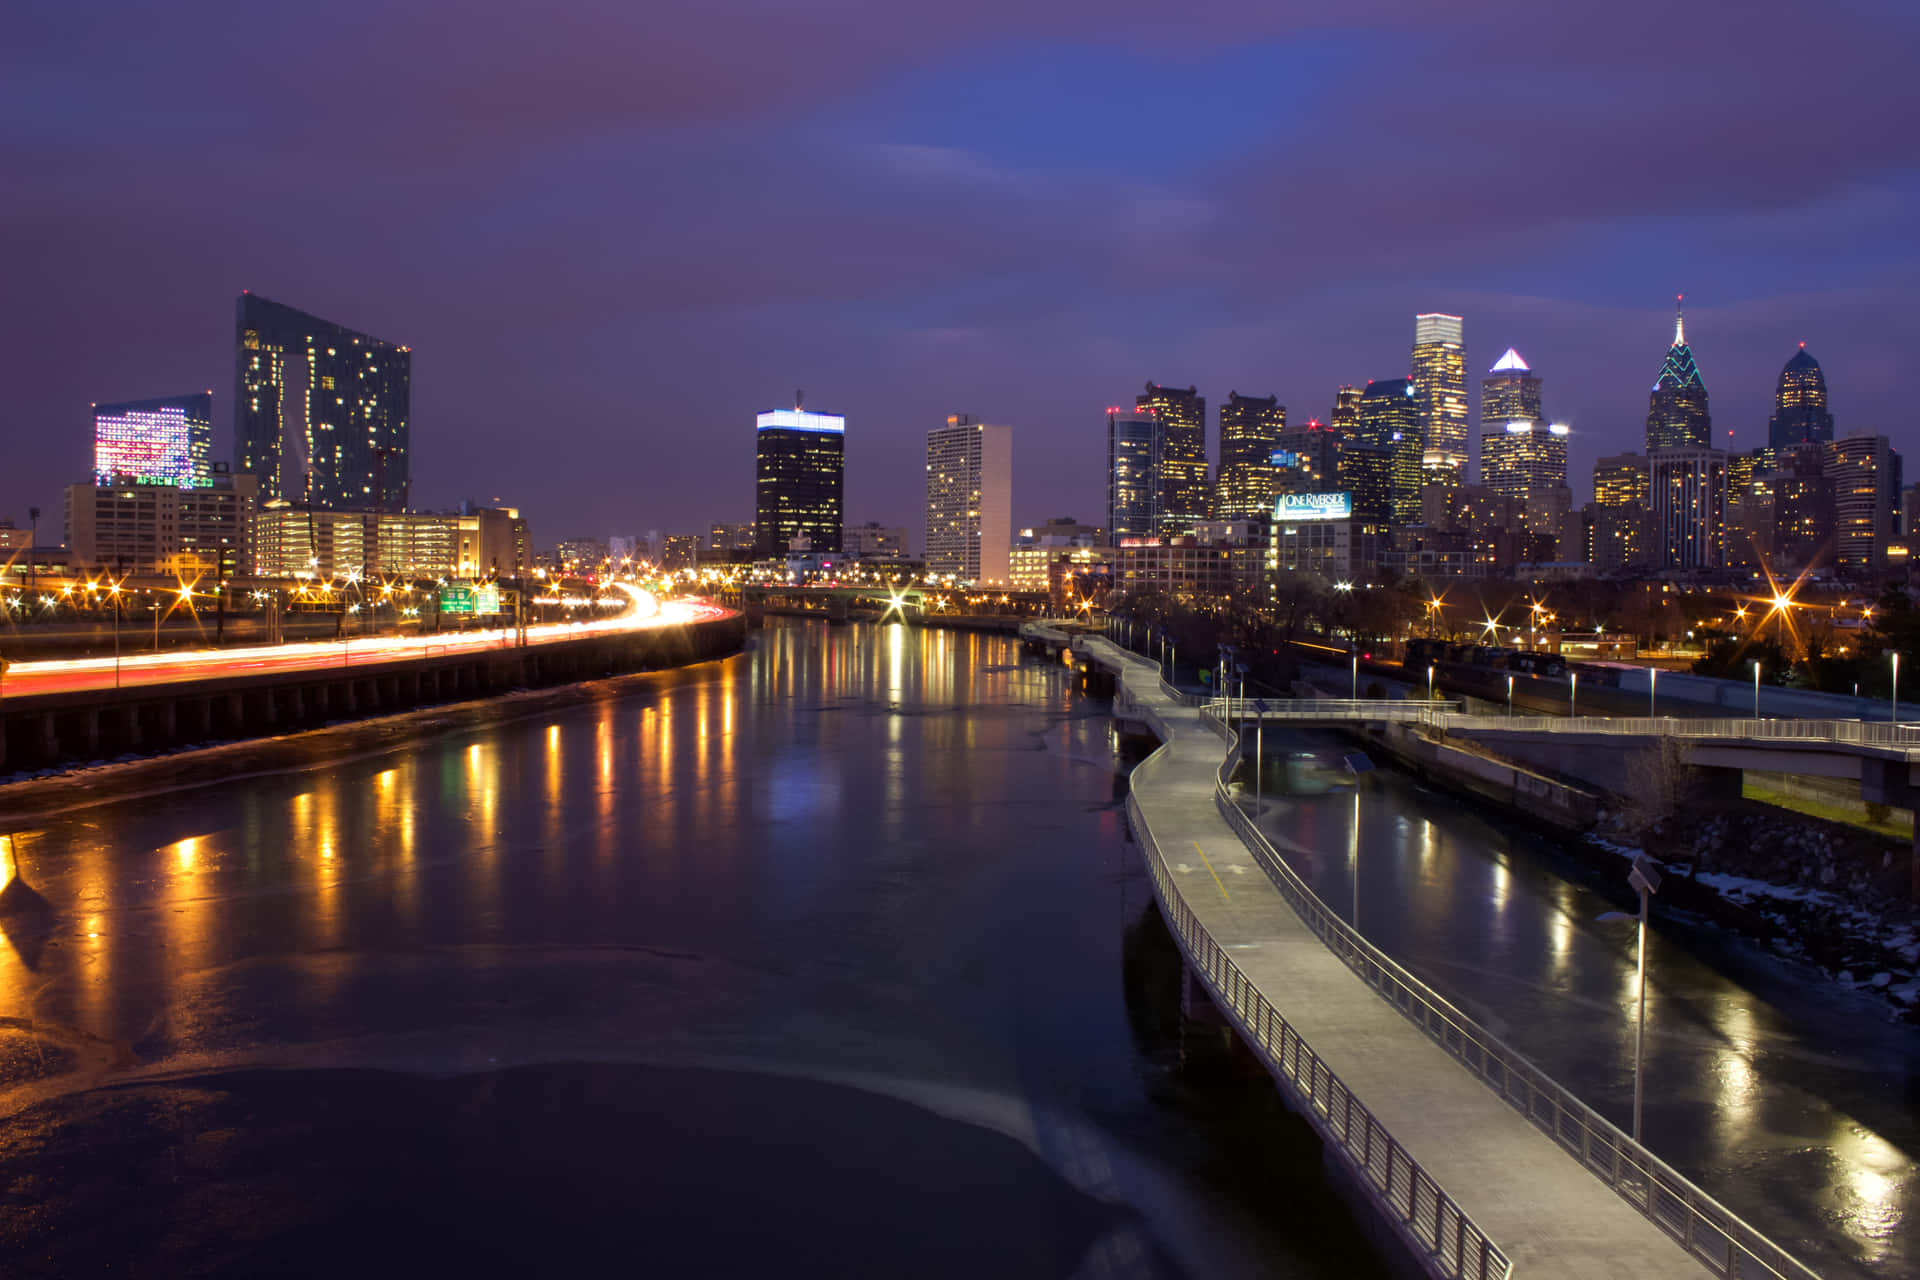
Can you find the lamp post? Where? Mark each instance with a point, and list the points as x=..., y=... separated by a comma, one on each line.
x=1646, y=882
x=1509, y=697
x=1653, y=679
x=1429, y=684
x=1756, y=688
x=1573, y=695
x=1896, y=686
x=1356, y=677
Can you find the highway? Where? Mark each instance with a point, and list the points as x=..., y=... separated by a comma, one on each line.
x=179, y=666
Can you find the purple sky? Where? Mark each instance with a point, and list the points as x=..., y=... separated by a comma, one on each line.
x=612, y=233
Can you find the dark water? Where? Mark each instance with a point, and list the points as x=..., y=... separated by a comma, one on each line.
x=1788, y=1098
x=833, y=958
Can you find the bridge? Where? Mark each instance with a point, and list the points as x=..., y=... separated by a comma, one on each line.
x=1481, y=1165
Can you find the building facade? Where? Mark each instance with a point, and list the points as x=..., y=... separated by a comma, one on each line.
x=477, y=543
x=1183, y=461
x=1305, y=459
x=1800, y=413
x=321, y=412
x=799, y=481
x=1440, y=378
x=152, y=528
x=1250, y=431
x=165, y=441
x=1345, y=419
x=874, y=541
x=1689, y=492
x=1867, y=482
x=969, y=500
x=1390, y=411
x=1525, y=455
x=1622, y=501
x=1677, y=415
x=1136, y=445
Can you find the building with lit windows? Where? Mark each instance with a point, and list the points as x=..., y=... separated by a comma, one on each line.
x=472, y=544
x=1183, y=567
x=157, y=528
x=321, y=411
x=1367, y=475
x=1136, y=445
x=1677, y=416
x=1183, y=459
x=166, y=441
x=1305, y=459
x=1526, y=455
x=1345, y=419
x=1390, y=412
x=1440, y=378
x=969, y=500
x=1800, y=404
x=1250, y=432
x=874, y=541
x=1867, y=481
x=1622, y=502
x=1689, y=493
x=799, y=481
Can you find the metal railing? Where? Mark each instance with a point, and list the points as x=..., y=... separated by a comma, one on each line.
x=1331, y=708
x=1426, y=1217
x=1866, y=733
x=1712, y=1233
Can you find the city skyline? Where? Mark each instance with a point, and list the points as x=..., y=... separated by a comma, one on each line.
x=641, y=332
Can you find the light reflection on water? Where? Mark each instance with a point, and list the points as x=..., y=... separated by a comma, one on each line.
x=1794, y=1115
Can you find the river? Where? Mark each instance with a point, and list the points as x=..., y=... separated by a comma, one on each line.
x=834, y=956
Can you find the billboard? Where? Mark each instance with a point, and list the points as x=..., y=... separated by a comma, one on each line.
x=1313, y=506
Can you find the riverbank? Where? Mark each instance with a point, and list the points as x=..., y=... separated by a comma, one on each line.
x=34, y=796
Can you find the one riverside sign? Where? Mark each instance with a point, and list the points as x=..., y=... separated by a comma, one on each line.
x=1313, y=506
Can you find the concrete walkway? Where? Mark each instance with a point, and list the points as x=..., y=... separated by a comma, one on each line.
x=1532, y=1199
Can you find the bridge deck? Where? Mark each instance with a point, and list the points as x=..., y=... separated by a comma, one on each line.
x=1534, y=1201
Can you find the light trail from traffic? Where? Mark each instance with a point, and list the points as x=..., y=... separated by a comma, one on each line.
x=72, y=675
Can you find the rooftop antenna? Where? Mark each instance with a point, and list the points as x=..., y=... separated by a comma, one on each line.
x=799, y=398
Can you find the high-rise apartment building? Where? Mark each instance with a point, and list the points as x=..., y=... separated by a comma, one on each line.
x=1440, y=378
x=1306, y=459
x=1867, y=481
x=321, y=412
x=1677, y=416
x=1621, y=503
x=1800, y=404
x=1136, y=447
x=1250, y=429
x=1183, y=462
x=799, y=481
x=165, y=441
x=969, y=500
x=1689, y=491
x=1390, y=411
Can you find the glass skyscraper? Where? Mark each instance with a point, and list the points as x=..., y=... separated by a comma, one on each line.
x=1390, y=411
x=1250, y=429
x=1136, y=446
x=1800, y=413
x=321, y=412
x=168, y=441
x=799, y=480
x=1519, y=449
x=1183, y=462
x=1677, y=416
x=1440, y=378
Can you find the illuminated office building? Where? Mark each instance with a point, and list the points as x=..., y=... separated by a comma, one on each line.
x=321, y=412
x=1526, y=455
x=1390, y=411
x=969, y=500
x=1677, y=416
x=1136, y=446
x=168, y=441
x=472, y=544
x=799, y=481
x=1509, y=394
x=1250, y=430
x=1866, y=475
x=1689, y=492
x=1183, y=461
x=1800, y=404
x=195, y=531
x=1440, y=379
x=1367, y=475
x=1621, y=504
x=1305, y=459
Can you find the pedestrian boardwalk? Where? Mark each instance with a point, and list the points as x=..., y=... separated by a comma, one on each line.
x=1471, y=1183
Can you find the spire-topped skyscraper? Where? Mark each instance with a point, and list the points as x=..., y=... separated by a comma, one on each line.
x=1677, y=416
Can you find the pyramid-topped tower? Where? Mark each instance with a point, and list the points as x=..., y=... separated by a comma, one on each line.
x=1677, y=413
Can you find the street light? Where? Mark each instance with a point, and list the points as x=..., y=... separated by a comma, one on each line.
x=1429, y=684
x=1653, y=679
x=1509, y=697
x=1573, y=694
x=1356, y=677
x=1646, y=882
x=1896, y=686
x=1756, y=688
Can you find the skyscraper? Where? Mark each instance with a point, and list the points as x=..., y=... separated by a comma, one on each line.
x=1677, y=416
x=165, y=441
x=1306, y=459
x=799, y=480
x=1250, y=429
x=1519, y=450
x=1866, y=475
x=1345, y=419
x=1136, y=445
x=970, y=500
x=1440, y=377
x=321, y=412
x=1800, y=404
x=1689, y=490
x=1183, y=462
x=1390, y=412
x=1621, y=500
